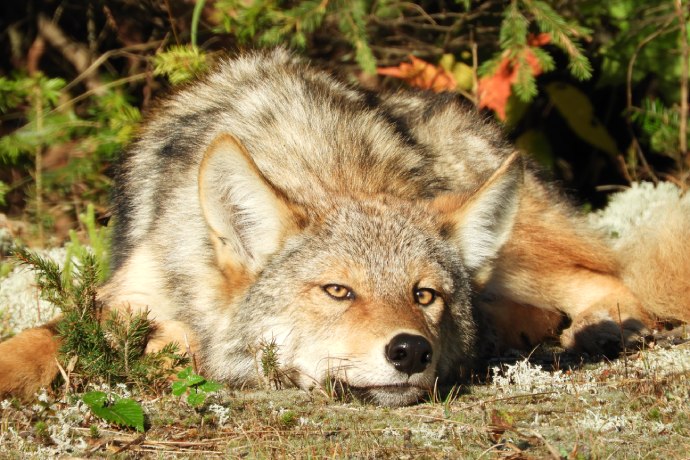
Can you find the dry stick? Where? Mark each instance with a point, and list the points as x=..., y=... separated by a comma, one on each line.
x=121, y=81
x=172, y=22
x=133, y=442
x=107, y=55
x=35, y=52
x=552, y=450
x=76, y=53
x=629, y=104
x=475, y=67
x=38, y=170
x=625, y=351
x=685, y=52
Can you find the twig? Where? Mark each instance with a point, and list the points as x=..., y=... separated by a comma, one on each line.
x=107, y=55
x=133, y=442
x=625, y=351
x=111, y=84
x=629, y=102
x=172, y=22
x=685, y=53
x=37, y=49
x=76, y=53
x=552, y=450
x=475, y=68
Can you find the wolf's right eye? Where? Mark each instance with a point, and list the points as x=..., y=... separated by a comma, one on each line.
x=339, y=292
x=424, y=296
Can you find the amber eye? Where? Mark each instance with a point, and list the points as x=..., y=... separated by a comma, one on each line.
x=424, y=296
x=339, y=292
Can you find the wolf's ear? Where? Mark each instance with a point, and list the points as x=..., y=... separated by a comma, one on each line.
x=481, y=222
x=248, y=218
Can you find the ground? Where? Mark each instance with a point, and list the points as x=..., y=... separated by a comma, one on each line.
x=637, y=407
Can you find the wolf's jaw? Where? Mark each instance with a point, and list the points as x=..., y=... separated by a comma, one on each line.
x=394, y=395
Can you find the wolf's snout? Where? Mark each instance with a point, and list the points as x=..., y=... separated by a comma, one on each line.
x=409, y=353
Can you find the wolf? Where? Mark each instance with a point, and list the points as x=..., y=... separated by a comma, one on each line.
x=369, y=237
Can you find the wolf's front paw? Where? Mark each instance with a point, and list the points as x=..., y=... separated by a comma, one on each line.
x=597, y=332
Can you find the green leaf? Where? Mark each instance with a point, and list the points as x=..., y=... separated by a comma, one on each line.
x=210, y=386
x=123, y=412
x=185, y=373
x=537, y=145
x=95, y=398
x=179, y=387
x=578, y=112
x=196, y=398
x=194, y=379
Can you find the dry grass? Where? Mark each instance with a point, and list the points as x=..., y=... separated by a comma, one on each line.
x=633, y=408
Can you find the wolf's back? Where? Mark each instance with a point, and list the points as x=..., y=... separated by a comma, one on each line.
x=310, y=135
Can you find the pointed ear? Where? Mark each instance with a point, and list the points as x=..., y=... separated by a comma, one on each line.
x=248, y=218
x=481, y=222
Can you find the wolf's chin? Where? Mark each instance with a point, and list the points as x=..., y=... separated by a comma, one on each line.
x=389, y=395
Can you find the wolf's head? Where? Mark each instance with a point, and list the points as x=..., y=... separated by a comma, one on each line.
x=371, y=293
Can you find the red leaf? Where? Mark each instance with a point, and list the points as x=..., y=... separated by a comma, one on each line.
x=494, y=90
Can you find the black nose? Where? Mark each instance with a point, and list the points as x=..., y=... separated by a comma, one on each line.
x=409, y=353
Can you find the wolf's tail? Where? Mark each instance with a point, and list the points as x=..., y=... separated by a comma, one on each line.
x=648, y=227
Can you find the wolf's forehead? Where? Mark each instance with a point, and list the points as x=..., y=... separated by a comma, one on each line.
x=386, y=250
x=379, y=230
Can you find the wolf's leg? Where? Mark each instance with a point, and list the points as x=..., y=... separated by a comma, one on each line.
x=517, y=326
x=28, y=361
x=138, y=285
x=554, y=262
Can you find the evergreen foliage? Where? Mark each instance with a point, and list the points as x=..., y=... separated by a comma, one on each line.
x=274, y=22
x=519, y=17
x=108, y=346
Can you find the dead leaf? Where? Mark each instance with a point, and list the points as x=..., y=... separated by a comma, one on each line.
x=421, y=74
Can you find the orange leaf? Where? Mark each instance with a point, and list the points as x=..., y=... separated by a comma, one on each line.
x=494, y=90
x=421, y=74
x=539, y=39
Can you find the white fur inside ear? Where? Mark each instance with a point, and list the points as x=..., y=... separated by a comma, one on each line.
x=240, y=206
x=484, y=222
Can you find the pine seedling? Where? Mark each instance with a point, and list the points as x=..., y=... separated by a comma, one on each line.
x=110, y=346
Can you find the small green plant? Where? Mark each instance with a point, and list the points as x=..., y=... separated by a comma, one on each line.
x=180, y=63
x=98, y=238
x=288, y=419
x=195, y=386
x=41, y=431
x=445, y=397
x=47, y=118
x=659, y=125
x=270, y=363
x=94, y=432
x=111, y=408
x=110, y=345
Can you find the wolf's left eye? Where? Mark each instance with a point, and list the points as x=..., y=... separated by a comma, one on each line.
x=424, y=296
x=339, y=292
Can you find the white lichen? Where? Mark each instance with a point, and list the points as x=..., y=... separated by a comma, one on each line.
x=222, y=413
x=20, y=298
x=640, y=205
